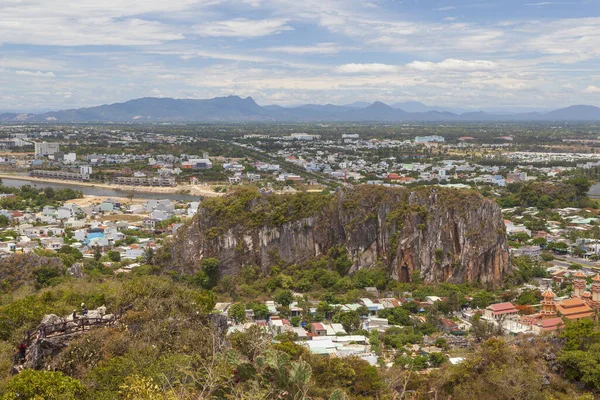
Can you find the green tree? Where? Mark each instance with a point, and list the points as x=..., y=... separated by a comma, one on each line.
x=114, y=256
x=261, y=311
x=350, y=320
x=97, y=253
x=529, y=297
x=580, y=356
x=582, y=185
x=482, y=299
x=4, y=221
x=210, y=266
x=47, y=385
x=437, y=359
x=285, y=297
x=237, y=312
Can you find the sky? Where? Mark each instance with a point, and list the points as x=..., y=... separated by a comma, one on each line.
x=474, y=54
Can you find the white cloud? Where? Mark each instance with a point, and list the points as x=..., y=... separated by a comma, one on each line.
x=592, y=89
x=30, y=63
x=578, y=36
x=91, y=22
x=447, y=8
x=452, y=64
x=243, y=27
x=174, y=46
x=320, y=48
x=541, y=3
x=86, y=31
x=366, y=68
x=38, y=74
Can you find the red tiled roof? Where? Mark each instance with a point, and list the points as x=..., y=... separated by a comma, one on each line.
x=552, y=324
x=318, y=326
x=448, y=323
x=502, y=307
x=574, y=308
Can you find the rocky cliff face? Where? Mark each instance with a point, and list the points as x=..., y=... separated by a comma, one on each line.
x=443, y=234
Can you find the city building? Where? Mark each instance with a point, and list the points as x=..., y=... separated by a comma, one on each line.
x=429, y=139
x=43, y=149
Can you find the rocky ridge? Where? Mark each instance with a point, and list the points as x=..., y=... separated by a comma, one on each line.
x=444, y=235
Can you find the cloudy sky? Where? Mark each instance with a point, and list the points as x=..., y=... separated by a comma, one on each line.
x=478, y=54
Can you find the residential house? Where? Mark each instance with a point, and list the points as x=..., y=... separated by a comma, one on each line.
x=318, y=329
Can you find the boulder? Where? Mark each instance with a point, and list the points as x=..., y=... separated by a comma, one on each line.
x=52, y=319
x=43, y=349
x=76, y=270
x=94, y=314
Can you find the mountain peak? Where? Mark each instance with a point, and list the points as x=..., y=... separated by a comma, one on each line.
x=378, y=105
x=234, y=108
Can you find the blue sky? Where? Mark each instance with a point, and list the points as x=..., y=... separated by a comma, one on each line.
x=476, y=54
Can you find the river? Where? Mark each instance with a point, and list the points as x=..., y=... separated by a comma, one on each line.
x=98, y=191
x=594, y=191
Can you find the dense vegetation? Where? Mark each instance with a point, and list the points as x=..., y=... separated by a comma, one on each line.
x=543, y=195
x=28, y=197
x=249, y=208
x=165, y=349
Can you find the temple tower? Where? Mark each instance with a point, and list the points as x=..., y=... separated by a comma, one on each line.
x=578, y=284
x=548, y=304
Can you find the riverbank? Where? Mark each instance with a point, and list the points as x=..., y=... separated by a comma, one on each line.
x=191, y=190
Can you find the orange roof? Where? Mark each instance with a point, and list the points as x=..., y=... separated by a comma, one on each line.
x=596, y=278
x=574, y=308
x=552, y=324
x=502, y=308
x=318, y=326
x=579, y=274
x=548, y=293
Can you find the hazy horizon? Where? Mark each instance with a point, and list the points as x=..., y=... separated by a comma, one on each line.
x=456, y=108
x=486, y=55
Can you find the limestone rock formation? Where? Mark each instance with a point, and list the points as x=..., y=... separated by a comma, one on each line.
x=56, y=333
x=442, y=234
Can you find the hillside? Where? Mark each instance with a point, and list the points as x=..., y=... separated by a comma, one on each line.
x=236, y=109
x=441, y=235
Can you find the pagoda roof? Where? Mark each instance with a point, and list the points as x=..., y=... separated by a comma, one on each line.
x=549, y=293
x=574, y=308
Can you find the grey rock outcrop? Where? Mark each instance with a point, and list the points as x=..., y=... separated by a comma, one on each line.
x=444, y=235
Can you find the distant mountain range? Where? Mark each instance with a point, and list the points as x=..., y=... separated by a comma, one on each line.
x=236, y=109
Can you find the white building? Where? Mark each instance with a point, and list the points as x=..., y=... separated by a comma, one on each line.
x=70, y=157
x=46, y=149
x=429, y=139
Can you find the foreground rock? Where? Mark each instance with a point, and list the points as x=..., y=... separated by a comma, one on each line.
x=55, y=333
x=442, y=234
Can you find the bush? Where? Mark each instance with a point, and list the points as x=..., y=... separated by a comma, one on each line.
x=114, y=256
x=47, y=385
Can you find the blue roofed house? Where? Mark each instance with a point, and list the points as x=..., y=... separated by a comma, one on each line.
x=373, y=307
